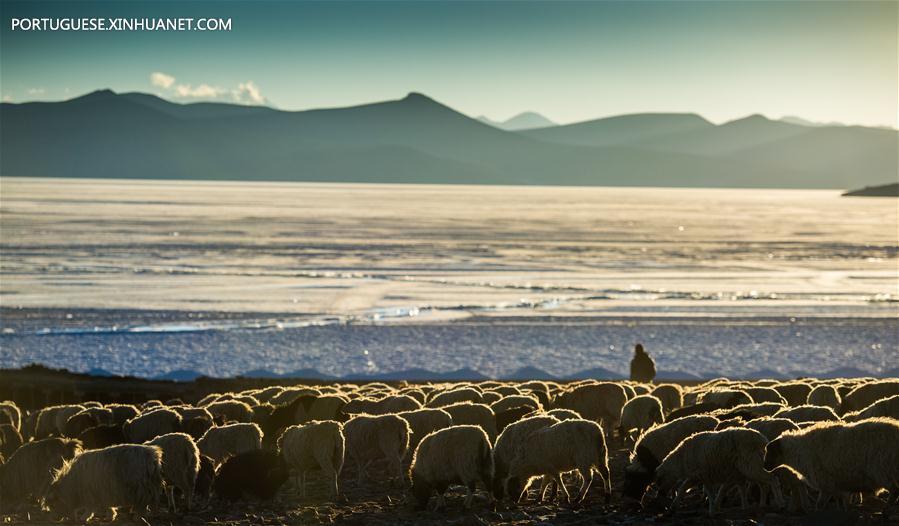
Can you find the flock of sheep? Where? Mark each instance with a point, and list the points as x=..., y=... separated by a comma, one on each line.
x=796, y=445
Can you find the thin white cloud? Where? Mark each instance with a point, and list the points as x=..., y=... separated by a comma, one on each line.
x=7, y=98
x=36, y=91
x=157, y=78
x=245, y=92
x=248, y=93
x=202, y=91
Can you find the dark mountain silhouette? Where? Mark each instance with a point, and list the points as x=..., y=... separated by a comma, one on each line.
x=886, y=190
x=418, y=140
x=523, y=121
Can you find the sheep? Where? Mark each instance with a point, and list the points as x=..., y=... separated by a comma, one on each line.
x=180, y=465
x=510, y=416
x=601, y=403
x=561, y=447
x=222, y=442
x=127, y=475
x=48, y=423
x=258, y=473
x=838, y=459
x=824, y=395
x=725, y=398
x=29, y=471
x=188, y=412
x=512, y=401
x=655, y=444
x=196, y=426
x=807, y=413
x=749, y=411
x=262, y=412
x=694, y=409
x=230, y=411
x=564, y=414
x=371, y=437
x=122, y=413
x=716, y=459
x=885, y=407
x=86, y=418
x=671, y=396
x=795, y=393
x=761, y=395
x=266, y=395
x=148, y=426
x=772, y=427
x=384, y=406
x=11, y=414
x=423, y=422
x=468, y=413
x=205, y=479
x=866, y=394
x=640, y=413
x=454, y=455
x=464, y=394
x=10, y=440
x=101, y=436
x=314, y=445
x=508, y=445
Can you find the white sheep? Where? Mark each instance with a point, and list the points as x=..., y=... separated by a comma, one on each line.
x=422, y=422
x=795, y=393
x=510, y=442
x=384, y=406
x=639, y=414
x=454, y=396
x=468, y=413
x=512, y=401
x=671, y=396
x=27, y=473
x=888, y=407
x=156, y=422
x=761, y=395
x=220, y=443
x=180, y=465
x=866, y=394
x=455, y=455
x=655, y=444
x=599, y=402
x=825, y=395
x=561, y=447
x=51, y=420
x=318, y=444
x=231, y=411
x=370, y=437
x=839, y=459
x=716, y=459
x=807, y=413
x=772, y=427
x=126, y=475
x=725, y=398
x=10, y=413
x=122, y=413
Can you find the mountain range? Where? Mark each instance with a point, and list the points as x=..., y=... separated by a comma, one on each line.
x=419, y=140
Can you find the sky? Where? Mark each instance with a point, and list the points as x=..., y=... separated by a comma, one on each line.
x=570, y=61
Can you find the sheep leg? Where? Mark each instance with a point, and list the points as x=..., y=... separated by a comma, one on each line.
x=303, y=483
x=587, y=475
x=606, y=481
x=170, y=495
x=545, y=482
x=469, y=495
x=188, y=498
x=678, y=493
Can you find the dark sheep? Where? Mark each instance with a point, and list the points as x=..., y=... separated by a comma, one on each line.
x=257, y=474
x=510, y=416
x=101, y=436
x=205, y=479
x=10, y=440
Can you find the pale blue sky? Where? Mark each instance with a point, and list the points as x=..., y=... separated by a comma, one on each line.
x=571, y=61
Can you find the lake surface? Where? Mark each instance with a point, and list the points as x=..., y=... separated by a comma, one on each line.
x=94, y=271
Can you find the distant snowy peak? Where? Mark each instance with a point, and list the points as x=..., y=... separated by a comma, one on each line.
x=527, y=120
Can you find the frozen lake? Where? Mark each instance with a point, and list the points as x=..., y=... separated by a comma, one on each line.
x=294, y=276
